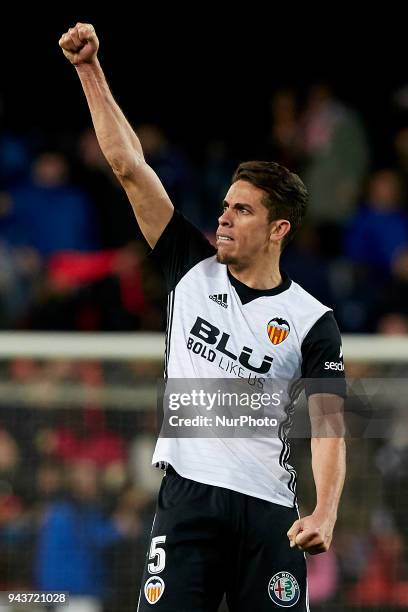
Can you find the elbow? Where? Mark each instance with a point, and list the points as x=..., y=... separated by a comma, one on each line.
x=125, y=167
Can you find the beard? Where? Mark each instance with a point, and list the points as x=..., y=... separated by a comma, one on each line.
x=228, y=260
x=225, y=259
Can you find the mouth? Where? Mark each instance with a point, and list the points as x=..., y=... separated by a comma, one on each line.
x=223, y=239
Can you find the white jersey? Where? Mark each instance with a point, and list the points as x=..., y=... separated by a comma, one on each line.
x=220, y=328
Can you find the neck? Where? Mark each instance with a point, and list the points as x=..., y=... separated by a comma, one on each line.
x=258, y=277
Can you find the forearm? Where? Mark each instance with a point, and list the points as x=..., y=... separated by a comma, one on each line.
x=117, y=139
x=119, y=143
x=329, y=470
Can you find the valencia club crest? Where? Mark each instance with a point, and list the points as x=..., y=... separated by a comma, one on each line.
x=278, y=330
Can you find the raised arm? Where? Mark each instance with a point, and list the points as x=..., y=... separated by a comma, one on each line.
x=118, y=141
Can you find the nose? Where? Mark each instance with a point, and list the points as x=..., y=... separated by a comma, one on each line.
x=225, y=219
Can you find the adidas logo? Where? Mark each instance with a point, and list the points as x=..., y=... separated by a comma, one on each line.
x=220, y=298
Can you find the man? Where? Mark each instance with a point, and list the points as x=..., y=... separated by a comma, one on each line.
x=227, y=518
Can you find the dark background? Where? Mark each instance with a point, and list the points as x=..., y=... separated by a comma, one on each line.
x=205, y=71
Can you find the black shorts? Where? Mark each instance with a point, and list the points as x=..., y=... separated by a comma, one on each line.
x=208, y=541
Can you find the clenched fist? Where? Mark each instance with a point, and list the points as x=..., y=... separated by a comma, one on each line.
x=312, y=534
x=80, y=44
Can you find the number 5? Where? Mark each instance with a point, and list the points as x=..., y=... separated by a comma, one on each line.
x=160, y=553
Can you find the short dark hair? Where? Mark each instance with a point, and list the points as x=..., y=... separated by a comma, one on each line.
x=286, y=194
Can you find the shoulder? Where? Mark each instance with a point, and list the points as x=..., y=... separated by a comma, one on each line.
x=180, y=248
x=306, y=309
x=324, y=329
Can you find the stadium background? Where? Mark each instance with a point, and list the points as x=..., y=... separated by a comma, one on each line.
x=76, y=495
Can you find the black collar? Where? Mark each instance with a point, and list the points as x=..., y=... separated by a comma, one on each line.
x=247, y=294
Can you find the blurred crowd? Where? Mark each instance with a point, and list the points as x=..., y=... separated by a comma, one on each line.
x=72, y=256
x=76, y=492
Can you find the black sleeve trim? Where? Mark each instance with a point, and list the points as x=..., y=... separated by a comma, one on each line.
x=180, y=247
x=322, y=358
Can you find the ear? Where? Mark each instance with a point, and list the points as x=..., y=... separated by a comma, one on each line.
x=279, y=229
